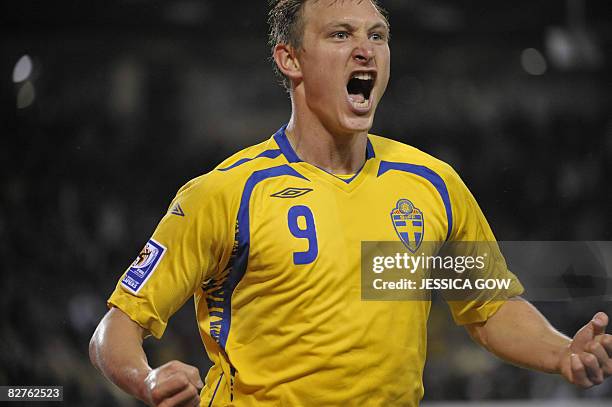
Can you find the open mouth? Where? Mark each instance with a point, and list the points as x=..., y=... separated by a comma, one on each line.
x=360, y=87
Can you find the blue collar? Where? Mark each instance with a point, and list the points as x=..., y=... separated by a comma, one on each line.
x=283, y=143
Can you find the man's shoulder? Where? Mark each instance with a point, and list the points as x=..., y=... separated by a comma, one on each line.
x=250, y=158
x=230, y=175
x=398, y=153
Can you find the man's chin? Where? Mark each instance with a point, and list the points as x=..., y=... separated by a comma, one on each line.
x=357, y=124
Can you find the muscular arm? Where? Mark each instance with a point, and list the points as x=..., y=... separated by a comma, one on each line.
x=116, y=350
x=519, y=334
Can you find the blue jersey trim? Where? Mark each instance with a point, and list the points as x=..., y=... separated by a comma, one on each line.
x=239, y=267
x=285, y=147
x=430, y=176
x=267, y=154
x=215, y=392
x=370, y=150
x=281, y=139
x=369, y=154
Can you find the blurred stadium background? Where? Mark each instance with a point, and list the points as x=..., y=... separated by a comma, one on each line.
x=108, y=107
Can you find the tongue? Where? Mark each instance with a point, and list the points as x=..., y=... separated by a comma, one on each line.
x=357, y=98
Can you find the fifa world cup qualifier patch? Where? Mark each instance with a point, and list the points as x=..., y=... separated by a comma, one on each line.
x=143, y=266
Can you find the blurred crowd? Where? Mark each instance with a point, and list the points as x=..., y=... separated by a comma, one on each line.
x=105, y=122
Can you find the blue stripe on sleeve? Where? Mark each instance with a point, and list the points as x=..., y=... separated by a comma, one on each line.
x=266, y=154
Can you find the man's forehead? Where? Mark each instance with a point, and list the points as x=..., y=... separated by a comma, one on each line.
x=326, y=10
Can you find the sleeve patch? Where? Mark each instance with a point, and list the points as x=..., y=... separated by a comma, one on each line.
x=143, y=266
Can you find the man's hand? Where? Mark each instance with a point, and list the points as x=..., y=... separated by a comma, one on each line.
x=173, y=384
x=588, y=359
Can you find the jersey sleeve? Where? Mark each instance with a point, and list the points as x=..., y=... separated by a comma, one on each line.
x=188, y=245
x=472, y=236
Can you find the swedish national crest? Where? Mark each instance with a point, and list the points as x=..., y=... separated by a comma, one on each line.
x=409, y=224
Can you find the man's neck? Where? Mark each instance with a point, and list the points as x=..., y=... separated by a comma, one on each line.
x=336, y=153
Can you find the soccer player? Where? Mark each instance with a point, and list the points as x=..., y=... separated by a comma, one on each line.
x=269, y=244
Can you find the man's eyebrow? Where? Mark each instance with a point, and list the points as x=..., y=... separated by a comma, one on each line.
x=338, y=24
x=352, y=27
x=380, y=25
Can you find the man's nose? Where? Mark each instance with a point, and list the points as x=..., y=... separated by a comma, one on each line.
x=363, y=52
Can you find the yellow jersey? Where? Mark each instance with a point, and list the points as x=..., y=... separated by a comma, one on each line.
x=269, y=246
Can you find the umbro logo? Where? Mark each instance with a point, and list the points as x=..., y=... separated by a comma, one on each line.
x=292, y=192
x=177, y=210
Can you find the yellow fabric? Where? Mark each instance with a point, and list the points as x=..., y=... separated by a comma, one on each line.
x=345, y=177
x=295, y=334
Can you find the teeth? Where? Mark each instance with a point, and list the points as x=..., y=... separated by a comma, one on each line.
x=364, y=76
x=361, y=105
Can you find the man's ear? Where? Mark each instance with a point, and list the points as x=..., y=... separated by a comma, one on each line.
x=286, y=60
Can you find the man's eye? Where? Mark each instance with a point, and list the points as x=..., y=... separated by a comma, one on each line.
x=341, y=35
x=377, y=37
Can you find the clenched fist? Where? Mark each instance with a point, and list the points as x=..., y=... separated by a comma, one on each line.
x=588, y=360
x=173, y=384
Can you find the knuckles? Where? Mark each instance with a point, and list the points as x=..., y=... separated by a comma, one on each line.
x=170, y=379
x=592, y=346
x=591, y=359
x=181, y=379
x=579, y=370
x=193, y=392
x=156, y=395
x=173, y=365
